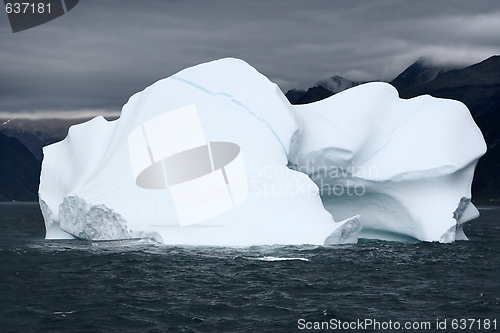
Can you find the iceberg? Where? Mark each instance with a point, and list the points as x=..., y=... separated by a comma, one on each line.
x=216, y=155
x=199, y=158
x=406, y=166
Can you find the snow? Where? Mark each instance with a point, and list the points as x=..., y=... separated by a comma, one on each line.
x=215, y=155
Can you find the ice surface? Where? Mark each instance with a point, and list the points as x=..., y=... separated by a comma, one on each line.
x=89, y=222
x=253, y=199
x=347, y=234
x=52, y=227
x=216, y=155
x=465, y=212
x=404, y=165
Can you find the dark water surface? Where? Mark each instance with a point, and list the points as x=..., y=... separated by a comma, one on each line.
x=141, y=286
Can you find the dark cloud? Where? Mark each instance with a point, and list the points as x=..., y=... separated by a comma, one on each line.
x=102, y=52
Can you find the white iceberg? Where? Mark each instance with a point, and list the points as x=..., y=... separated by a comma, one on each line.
x=405, y=165
x=205, y=157
x=220, y=134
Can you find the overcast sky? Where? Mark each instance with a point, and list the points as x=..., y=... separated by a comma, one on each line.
x=100, y=53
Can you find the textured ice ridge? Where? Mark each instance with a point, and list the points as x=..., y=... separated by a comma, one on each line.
x=86, y=221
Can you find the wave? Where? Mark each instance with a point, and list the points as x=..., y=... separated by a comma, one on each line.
x=277, y=259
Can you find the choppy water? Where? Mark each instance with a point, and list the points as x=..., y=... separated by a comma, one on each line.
x=141, y=286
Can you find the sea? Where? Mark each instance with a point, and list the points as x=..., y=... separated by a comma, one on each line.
x=143, y=286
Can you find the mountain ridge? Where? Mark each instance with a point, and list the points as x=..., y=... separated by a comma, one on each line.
x=19, y=171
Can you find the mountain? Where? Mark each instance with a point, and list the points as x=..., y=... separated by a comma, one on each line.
x=294, y=95
x=313, y=94
x=420, y=72
x=321, y=90
x=19, y=171
x=478, y=87
x=337, y=84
